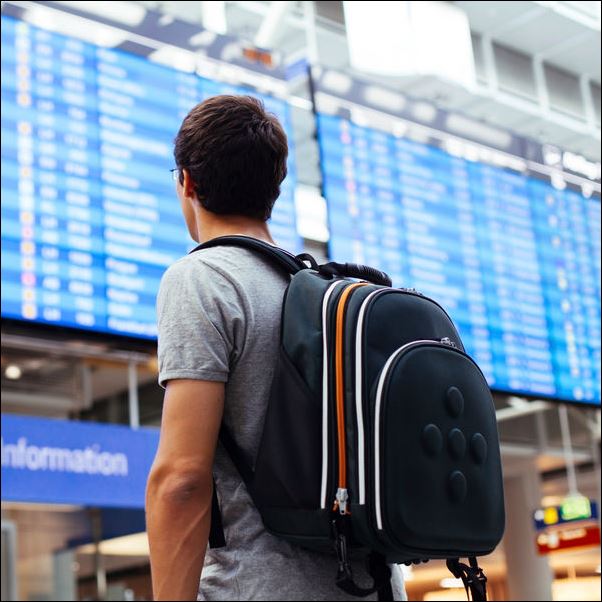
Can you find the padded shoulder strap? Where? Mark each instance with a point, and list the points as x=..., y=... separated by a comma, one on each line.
x=279, y=257
x=217, y=538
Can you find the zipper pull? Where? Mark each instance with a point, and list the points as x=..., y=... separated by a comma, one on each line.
x=447, y=341
x=342, y=497
x=412, y=290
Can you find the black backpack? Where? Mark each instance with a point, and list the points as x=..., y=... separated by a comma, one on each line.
x=380, y=435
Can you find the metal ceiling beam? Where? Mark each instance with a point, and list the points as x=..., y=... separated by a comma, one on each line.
x=72, y=349
x=518, y=21
x=574, y=12
x=591, y=421
x=518, y=411
x=528, y=452
x=54, y=403
x=272, y=23
x=566, y=44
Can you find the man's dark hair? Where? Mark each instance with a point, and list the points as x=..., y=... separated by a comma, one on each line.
x=236, y=154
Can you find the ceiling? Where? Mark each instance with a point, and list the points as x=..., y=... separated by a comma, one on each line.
x=554, y=33
x=565, y=35
x=569, y=38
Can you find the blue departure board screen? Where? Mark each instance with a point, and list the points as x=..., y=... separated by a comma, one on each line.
x=515, y=261
x=90, y=217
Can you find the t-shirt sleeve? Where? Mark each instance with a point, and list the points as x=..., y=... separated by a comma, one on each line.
x=196, y=317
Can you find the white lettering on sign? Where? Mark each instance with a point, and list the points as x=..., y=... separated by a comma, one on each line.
x=91, y=460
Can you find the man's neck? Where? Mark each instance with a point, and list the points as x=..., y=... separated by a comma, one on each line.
x=211, y=225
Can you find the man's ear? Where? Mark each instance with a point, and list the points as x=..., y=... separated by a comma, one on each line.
x=188, y=185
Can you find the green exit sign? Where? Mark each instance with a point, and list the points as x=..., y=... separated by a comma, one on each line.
x=575, y=508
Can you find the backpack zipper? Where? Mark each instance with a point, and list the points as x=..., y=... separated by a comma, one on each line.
x=359, y=408
x=325, y=390
x=342, y=496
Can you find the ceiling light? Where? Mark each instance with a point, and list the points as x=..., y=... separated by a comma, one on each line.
x=400, y=128
x=450, y=583
x=385, y=99
x=183, y=60
x=410, y=38
x=81, y=27
x=204, y=38
x=339, y=83
x=165, y=20
x=135, y=544
x=127, y=13
x=557, y=180
x=214, y=16
x=587, y=189
x=13, y=372
x=478, y=131
x=424, y=111
x=379, y=36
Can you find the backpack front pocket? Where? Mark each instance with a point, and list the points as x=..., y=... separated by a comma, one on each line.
x=437, y=469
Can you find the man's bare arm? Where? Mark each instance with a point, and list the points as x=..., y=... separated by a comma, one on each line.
x=180, y=487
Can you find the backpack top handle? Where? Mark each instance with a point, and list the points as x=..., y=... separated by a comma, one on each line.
x=355, y=270
x=293, y=264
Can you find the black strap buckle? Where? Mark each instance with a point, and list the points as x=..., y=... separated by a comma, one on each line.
x=217, y=538
x=377, y=567
x=473, y=578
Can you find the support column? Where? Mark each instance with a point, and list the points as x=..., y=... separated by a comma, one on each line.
x=99, y=564
x=65, y=587
x=133, y=395
x=529, y=575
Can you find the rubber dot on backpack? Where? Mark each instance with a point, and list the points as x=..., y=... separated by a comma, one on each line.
x=456, y=483
x=432, y=439
x=478, y=448
x=454, y=402
x=456, y=443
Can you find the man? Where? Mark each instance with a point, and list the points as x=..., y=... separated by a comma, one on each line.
x=219, y=320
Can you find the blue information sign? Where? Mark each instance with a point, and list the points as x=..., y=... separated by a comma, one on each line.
x=80, y=463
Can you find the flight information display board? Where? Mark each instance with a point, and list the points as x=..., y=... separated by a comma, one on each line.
x=90, y=217
x=515, y=261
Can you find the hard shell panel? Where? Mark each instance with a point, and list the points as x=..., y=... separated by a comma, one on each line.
x=441, y=477
x=396, y=318
x=392, y=318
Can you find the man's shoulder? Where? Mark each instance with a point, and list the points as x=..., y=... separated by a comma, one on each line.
x=212, y=259
x=232, y=266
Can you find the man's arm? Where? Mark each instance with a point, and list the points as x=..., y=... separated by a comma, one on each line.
x=180, y=487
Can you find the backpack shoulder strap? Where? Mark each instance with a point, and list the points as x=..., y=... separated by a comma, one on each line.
x=291, y=265
x=217, y=538
x=279, y=257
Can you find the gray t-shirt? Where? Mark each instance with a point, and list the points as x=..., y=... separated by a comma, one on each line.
x=219, y=319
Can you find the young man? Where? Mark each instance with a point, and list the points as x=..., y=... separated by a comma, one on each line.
x=219, y=320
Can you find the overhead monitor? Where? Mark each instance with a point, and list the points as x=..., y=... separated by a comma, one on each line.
x=511, y=252
x=90, y=218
